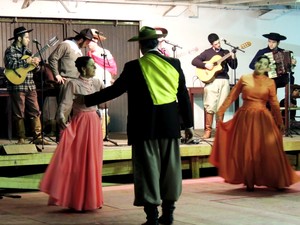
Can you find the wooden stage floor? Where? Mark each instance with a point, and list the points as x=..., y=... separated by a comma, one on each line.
x=204, y=201
x=24, y=171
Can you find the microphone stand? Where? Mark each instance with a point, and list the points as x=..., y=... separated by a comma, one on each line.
x=235, y=48
x=287, y=103
x=106, y=138
x=42, y=64
x=174, y=48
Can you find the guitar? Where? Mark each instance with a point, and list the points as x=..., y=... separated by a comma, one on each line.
x=207, y=76
x=18, y=76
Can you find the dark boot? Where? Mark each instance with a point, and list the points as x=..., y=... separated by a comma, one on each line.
x=37, y=131
x=152, y=214
x=168, y=208
x=20, y=126
x=208, y=125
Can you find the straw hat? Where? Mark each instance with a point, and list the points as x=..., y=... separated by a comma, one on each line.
x=97, y=35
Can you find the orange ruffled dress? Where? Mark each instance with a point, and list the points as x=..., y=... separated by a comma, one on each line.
x=248, y=148
x=73, y=178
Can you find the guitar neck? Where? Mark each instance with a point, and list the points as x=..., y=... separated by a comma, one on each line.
x=41, y=50
x=224, y=58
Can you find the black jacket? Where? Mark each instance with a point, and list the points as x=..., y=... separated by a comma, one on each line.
x=145, y=120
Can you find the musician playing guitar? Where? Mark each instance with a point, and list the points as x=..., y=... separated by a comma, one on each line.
x=23, y=95
x=217, y=89
x=273, y=47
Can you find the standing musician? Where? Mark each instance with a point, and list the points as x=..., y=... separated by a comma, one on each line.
x=273, y=42
x=217, y=90
x=62, y=61
x=24, y=95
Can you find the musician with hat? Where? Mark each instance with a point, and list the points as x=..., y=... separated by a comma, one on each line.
x=157, y=97
x=19, y=62
x=62, y=60
x=273, y=47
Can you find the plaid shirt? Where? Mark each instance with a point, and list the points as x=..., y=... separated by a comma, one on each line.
x=12, y=60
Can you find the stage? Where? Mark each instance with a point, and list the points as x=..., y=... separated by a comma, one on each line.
x=204, y=201
x=21, y=167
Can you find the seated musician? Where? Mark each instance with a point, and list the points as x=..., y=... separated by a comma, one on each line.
x=293, y=102
x=273, y=42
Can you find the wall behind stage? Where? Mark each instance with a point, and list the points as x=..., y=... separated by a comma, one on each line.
x=236, y=26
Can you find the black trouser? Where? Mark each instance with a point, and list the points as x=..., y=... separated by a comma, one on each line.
x=283, y=80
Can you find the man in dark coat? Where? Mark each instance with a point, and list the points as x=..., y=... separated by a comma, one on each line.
x=157, y=100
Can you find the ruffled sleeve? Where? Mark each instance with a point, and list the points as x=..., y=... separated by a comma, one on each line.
x=65, y=106
x=233, y=95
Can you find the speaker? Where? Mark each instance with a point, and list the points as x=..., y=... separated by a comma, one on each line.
x=18, y=149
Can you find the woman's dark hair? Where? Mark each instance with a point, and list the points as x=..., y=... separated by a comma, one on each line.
x=81, y=62
x=263, y=57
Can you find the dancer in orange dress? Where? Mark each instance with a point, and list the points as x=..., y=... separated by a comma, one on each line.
x=248, y=149
x=73, y=177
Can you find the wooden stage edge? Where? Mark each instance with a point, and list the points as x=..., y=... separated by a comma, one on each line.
x=14, y=172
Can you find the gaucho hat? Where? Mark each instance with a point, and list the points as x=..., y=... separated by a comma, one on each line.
x=275, y=36
x=18, y=31
x=85, y=33
x=147, y=33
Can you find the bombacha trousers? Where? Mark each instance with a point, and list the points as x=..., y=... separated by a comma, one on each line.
x=215, y=94
x=157, y=171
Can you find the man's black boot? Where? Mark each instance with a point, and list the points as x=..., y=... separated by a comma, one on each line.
x=152, y=214
x=168, y=208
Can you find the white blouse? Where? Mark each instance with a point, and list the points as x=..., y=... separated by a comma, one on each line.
x=80, y=86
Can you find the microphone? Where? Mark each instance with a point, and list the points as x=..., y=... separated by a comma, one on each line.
x=168, y=42
x=36, y=42
x=99, y=33
x=223, y=39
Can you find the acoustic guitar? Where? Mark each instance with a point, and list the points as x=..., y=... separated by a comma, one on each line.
x=18, y=76
x=207, y=76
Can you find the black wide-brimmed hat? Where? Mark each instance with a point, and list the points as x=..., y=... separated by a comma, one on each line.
x=86, y=33
x=18, y=31
x=275, y=36
x=147, y=33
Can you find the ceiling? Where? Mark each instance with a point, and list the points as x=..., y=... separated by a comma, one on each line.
x=268, y=8
x=250, y=4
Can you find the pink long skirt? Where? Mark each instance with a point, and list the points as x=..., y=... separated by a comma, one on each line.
x=73, y=177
